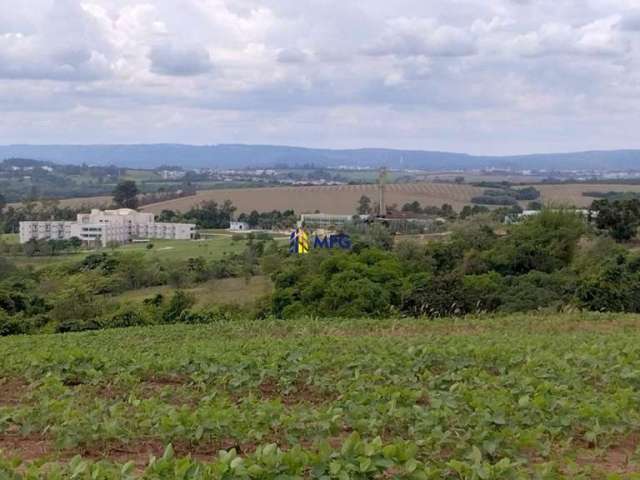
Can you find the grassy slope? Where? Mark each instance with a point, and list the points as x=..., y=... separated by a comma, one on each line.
x=555, y=395
x=211, y=248
x=228, y=291
x=9, y=238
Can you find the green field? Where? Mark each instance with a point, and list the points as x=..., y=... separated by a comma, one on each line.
x=9, y=238
x=212, y=248
x=503, y=398
x=141, y=175
x=226, y=291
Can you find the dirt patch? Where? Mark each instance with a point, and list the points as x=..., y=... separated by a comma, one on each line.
x=168, y=388
x=13, y=391
x=38, y=447
x=167, y=380
x=617, y=458
x=32, y=447
x=299, y=392
x=140, y=451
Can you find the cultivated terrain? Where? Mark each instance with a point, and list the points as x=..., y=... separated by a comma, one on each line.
x=509, y=397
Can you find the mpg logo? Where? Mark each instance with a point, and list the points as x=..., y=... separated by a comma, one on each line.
x=300, y=241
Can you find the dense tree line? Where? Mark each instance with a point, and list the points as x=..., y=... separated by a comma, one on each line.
x=504, y=194
x=540, y=264
x=274, y=220
x=11, y=216
x=553, y=260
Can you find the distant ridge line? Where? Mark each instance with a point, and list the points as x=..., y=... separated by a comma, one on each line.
x=243, y=155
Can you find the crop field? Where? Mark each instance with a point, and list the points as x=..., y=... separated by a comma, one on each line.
x=342, y=199
x=572, y=194
x=88, y=202
x=334, y=199
x=504, y=398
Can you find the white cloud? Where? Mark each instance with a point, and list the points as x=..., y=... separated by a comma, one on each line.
x=423, y=37
x=600, y=37
x=292, y=55
x=180, y=61
x=480, y=75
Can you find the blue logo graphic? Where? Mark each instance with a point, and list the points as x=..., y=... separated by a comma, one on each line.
x=300, y=241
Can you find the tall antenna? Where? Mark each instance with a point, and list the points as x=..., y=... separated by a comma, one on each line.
x=382, y=206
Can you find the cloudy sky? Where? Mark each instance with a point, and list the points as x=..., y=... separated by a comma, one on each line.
x=479, y=76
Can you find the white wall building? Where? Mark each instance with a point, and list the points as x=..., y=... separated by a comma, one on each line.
x=106, y=227
x=239, y=226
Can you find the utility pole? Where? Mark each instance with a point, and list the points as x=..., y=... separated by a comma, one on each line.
x=382, y=206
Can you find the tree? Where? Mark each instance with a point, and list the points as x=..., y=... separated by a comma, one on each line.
x=413, y=207
x=364, y=205
x=125, y=195
x=621, y=217
x=3, y=202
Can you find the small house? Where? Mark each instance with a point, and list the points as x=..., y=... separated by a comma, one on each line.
x=239, y=226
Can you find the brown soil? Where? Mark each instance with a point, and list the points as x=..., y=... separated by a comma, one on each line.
x=38, y=447
x=31, y=447
x=301, y=392
x=616, y=459
x=12, y=391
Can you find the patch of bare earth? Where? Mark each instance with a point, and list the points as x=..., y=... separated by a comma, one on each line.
x=37, y=447
x=12, y=391
x=299, y=393
x=140, y=451
x=30, y=447
x=171, y=388
x=618, y=458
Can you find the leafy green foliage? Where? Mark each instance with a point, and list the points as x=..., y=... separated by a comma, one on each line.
x=475, y=271
x=326, y=399
x=620, y=218
x=125, y=194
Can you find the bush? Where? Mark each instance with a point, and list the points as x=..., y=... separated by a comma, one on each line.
x=494, y=200
x=546, y=242
x=434, y=296
x=11, y=325
x=218, y=313
x=613, y=288
x=180, y=301
x=127, y=316
x=536, y=291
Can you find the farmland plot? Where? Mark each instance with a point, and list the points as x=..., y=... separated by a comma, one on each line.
x=516, y=397
x=341, y=199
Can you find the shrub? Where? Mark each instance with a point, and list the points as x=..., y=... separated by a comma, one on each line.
x=613, y=288
x=180, y=301
x=127, y=316
x=434, y=296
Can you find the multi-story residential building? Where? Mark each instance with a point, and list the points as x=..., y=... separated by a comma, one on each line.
x=107, y=227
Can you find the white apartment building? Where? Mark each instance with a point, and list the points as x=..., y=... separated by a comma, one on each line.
x=107, y=227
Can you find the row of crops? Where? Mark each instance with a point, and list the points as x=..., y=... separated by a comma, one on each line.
x=520, y=397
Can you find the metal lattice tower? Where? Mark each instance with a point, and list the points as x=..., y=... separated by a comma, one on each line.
x=382, y=205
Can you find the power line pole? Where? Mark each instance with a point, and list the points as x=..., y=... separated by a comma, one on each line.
x=382, y=206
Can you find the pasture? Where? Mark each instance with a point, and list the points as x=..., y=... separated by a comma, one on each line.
x=226, y=291
x=212, y=248
x=488, y=398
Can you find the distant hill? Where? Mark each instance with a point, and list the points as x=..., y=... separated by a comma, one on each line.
x=237, y=156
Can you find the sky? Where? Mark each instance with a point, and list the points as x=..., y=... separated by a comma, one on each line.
x=476, y=76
